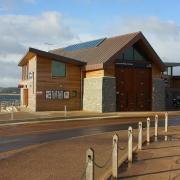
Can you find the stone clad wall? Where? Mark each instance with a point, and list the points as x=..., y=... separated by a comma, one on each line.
x=99, y=94
x=109, y=94
x=158, y=95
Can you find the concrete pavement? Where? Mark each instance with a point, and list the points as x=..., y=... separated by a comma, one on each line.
x=57, y=116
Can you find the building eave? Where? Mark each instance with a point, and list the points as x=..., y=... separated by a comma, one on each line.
x=33, y=52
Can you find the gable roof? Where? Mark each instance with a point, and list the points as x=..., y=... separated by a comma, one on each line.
x=32, y=52
x=96, y=57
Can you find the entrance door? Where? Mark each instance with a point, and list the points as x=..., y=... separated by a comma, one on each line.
x=25, y=97
x=134, y=89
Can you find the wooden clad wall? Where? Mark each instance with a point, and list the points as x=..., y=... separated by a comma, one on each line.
x=175, y=82
x=72, y=82
x=95, y=73
x=107, y=71
x=156, y=72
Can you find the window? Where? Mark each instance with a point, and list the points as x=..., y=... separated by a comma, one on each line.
x=132, y=54
x=58, y=69
x=138, y=56
x=128, y=55
x=25, y=71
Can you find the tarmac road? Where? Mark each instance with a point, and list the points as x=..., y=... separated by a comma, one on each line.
x=17, y=137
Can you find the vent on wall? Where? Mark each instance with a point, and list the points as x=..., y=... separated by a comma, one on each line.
x=89, y=44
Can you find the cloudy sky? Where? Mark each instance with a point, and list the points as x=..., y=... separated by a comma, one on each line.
x=56, y=23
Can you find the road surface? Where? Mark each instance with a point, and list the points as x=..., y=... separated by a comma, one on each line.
x=20, y=136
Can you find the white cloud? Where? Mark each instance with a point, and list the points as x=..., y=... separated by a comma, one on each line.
x=164, y=36
x=18, y=32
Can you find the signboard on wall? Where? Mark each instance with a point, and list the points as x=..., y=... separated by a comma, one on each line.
x=48, y=95
x=58, y=94
x=54, y=94
x=39, y=92
x=30, y=75
x=66, y=94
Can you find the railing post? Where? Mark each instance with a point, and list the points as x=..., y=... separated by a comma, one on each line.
x=140, y=135
x=166, y=122
x=90, y=164
x=115, y=156
x=12, y=113
x=156, y=126
x=65, y=111
x=130, y=144
x=148, y=127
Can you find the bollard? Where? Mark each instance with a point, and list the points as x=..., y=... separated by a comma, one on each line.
x=156, y=126
x=148, y=133
x=12, y=113
x=90, y=164
x=115, y=156
x=130, y=144
x=166, y=122
x=65, y=111
x=140, y=135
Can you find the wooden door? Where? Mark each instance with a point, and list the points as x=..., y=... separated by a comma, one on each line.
x=143, y=89
x=25, y=97
x=134, y=89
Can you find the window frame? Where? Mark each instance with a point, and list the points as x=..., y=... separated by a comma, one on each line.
x=65, y=73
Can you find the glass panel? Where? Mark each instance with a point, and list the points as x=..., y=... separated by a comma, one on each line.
x=138, y=56
x=169, y=71
x=121, y=57
x=128, y=54
x=58, y=69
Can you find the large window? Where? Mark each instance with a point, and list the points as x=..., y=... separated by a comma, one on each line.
x=132, y=54
x=58, y=69
x=129, y=54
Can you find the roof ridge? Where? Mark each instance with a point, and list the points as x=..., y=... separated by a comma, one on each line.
x=105, y=38
x=135, y=33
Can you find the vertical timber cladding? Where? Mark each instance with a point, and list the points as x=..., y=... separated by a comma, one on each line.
x=134, y=88
x=45, y=82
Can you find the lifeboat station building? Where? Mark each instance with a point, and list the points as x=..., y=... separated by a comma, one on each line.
x=121, y=73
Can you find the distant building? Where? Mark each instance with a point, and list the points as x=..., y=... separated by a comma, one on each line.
x=121, y=73
x=172, y=86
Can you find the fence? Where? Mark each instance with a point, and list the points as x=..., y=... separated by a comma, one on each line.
x=9, y=103
x=91, y=164
x=10, y=107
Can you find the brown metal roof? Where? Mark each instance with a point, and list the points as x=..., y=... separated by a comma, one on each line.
x=108, y=50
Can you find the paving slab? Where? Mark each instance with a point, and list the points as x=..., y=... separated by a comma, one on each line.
x=159, y=160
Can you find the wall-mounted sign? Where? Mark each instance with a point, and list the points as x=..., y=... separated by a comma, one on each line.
x=54, y=94
x=60, y=94
x=39, y=92
x=30, y=75
x=66, y=94
x=74, y=94
x=48, y=95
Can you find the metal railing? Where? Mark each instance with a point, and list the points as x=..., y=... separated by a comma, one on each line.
x=10, y=105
